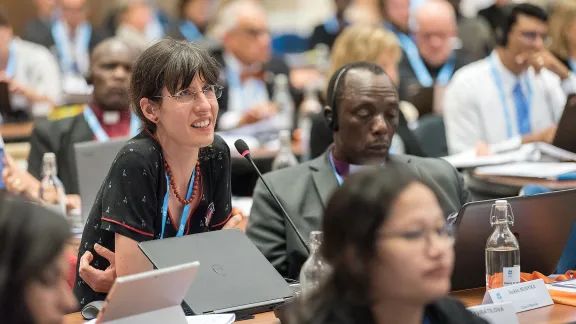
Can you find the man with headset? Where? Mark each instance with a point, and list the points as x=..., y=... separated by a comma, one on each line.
x=363, y=115
x=514, y=96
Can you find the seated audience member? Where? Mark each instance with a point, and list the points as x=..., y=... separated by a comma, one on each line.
x=434, y=60
x=106, y=116
x=247, y=61
x=30, y=70
x=363, y=118
x=33, y=264
x=563, y=33
x=327, y=32
x=514, y=96
x=474, y=34
x=170, y=180
x=393, y=263
x=134, y=17
x=70, y=37
x=367, y=44
x=497, y=16
x=195, y=16
x=45, y=12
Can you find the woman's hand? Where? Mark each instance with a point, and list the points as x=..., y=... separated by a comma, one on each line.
x=99, y=280
x=233, y=222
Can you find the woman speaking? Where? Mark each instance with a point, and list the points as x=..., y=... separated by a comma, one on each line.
x=173, y=178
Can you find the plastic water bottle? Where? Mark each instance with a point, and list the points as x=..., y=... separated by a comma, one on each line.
x=502, y=249
x=283, y=101
x=51, y=189
x=285, y=157
x=310, y=106
x=315, y=269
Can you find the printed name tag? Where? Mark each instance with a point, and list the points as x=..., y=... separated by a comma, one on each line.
x=523, y=296
x=502, y=313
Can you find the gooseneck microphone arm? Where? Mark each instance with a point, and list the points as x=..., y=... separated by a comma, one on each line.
x=243, y=149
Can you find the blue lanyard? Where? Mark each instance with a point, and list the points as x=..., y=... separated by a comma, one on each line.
x=338, y=177
x=11, y=66
x=185, y=212
x=572, y=64
x=65, y=53
x=503, y=100
x=100, y=133
x=417, y=64
x=189, y=31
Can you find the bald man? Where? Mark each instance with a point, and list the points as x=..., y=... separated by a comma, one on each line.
x=70, y=37
x=248, y=64
x=436, y=58
x=106, y=116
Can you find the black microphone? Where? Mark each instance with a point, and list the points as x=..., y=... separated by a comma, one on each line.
x=243, y=149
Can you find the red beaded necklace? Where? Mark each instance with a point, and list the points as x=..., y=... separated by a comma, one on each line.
x=175, y=190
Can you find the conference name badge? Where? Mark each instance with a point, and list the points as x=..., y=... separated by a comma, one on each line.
x=502, y=313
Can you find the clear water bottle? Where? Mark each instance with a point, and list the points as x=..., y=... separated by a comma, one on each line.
x=310, y=106
x=315, y=269
x=51, y=189
x=502, y=249
x=283, y=101
x=285, y=157
x=322, y=53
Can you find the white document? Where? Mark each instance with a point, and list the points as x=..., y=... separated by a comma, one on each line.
x=243, y=203
x=202, y=319
x=211, y=319
x=567, y=286
x=541, y=170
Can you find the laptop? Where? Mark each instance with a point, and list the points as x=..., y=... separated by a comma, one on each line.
x=93, y=161
x=234, y=277
x=149, y=297
x=565, y=137
x=542, y=224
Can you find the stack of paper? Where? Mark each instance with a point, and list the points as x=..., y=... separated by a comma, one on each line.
x=542, y=170
x=211, y=319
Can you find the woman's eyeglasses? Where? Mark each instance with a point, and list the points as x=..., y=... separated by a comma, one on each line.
x=211, y=92
x=443, y=234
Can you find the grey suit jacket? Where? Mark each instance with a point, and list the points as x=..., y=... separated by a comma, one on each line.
x=304, y=191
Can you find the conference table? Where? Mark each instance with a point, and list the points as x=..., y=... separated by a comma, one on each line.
x=555, y=314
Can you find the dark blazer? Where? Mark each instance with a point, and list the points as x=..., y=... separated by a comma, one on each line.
x=321, y=137
x=443, y=311
x=40, y=32
x=304, y=190
x=59, y=137
x=409, y=84
x=275, y=66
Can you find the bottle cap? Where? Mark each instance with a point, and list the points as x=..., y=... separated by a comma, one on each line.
x=501, y=204
x=49, y=157
x=280, y=79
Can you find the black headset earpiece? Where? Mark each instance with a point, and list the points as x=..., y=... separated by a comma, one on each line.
x=332, y=117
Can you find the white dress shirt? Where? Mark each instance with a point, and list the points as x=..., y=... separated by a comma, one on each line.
x=37, y=69
x=241, y=96
x=474, y=111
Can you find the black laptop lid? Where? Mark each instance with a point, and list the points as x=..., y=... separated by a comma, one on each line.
x=542, y=224
x=565, y=137
x=233, y=272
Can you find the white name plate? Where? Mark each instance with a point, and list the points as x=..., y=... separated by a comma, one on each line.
x=502, y=313
x=523, y=296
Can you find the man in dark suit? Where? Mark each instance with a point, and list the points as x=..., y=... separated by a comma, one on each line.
x=248, y=66
x=363, y=118
x=110, y=73
x=44, y=16
x=434, y=59
x=327, y=32
x=70, y=37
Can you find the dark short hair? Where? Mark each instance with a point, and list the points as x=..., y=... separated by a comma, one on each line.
x=344, y=297
x=525, y=9
x=4, y=19
x=334, y=94
x=172, y=64
x=31, y=238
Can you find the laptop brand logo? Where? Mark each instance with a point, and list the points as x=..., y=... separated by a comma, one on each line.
x=219, y=270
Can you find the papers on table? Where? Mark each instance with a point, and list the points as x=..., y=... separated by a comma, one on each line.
x=202, y=319
x=528, y=152
x=242, y=203
x=541, y=170
x=566, y=286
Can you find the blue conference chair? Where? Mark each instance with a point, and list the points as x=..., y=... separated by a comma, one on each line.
x=568, y=258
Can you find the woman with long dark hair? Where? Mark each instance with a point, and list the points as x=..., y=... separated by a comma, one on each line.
x=391, y=254
x=33, y=264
